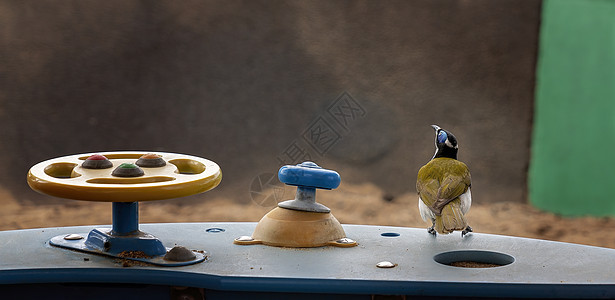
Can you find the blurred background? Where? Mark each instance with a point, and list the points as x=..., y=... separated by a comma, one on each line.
x=526, y=87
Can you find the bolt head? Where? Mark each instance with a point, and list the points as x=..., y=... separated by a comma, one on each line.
x=386, y=265
x=244, y=238
x=73, y=237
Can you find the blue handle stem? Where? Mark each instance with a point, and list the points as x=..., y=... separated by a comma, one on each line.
x=125, y=218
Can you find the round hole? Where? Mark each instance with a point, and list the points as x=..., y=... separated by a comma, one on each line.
x=188, y=166
x=61, y=170
x=215, y=230
x=474, y=259
x=390, y=234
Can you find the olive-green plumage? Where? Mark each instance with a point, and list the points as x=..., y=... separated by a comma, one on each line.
x=439, y=184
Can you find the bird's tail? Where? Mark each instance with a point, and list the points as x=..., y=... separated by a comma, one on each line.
x=451, y=218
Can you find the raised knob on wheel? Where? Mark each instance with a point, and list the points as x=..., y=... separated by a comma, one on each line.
x=307, y=176
x=97, y=161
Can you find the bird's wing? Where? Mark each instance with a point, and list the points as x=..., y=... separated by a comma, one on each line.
x=427, y=188
x=451, y=187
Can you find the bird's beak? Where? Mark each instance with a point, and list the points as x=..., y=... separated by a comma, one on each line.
x=435, y=127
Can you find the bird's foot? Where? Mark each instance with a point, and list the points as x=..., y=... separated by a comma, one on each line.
x=466, y=231
x=432, y=231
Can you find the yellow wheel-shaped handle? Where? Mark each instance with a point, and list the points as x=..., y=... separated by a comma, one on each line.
x=124, y=176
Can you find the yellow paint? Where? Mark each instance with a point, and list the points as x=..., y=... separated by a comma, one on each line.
x=183, y=175
x=292, y=228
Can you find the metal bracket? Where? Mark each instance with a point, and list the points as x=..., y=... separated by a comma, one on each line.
x=138, y=248
x=125, y=241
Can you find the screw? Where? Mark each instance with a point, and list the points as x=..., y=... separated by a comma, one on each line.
x=73, y=237
x=386, y=264
x=345, y=241
x=244, y=238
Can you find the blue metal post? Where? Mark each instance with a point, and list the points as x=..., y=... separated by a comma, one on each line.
x=125, y=218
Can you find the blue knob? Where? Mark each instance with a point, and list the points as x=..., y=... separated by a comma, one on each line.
x=309, y=174
x=308, y=177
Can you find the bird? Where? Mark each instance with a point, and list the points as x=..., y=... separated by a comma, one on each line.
x=443, y=185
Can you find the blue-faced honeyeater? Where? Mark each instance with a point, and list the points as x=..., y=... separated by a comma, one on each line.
x=443, y=185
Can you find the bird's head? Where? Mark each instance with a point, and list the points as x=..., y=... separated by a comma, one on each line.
x=446, y=143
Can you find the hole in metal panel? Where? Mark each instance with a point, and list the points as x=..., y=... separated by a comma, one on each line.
x=474, y=259
x=390, y=234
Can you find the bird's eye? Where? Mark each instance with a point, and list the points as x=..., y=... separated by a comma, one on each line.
x=442, y=136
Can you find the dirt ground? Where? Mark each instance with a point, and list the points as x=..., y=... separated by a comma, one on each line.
x=351, y=204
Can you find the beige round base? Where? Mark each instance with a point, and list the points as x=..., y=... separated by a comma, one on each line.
x=292, y=228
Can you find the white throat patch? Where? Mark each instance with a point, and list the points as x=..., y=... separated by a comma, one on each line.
x=448, y=143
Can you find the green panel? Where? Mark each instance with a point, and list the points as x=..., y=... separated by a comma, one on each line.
x=572, y=170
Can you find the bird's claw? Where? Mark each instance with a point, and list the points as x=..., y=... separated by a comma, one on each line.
x=466, y=231
x=431, y=231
